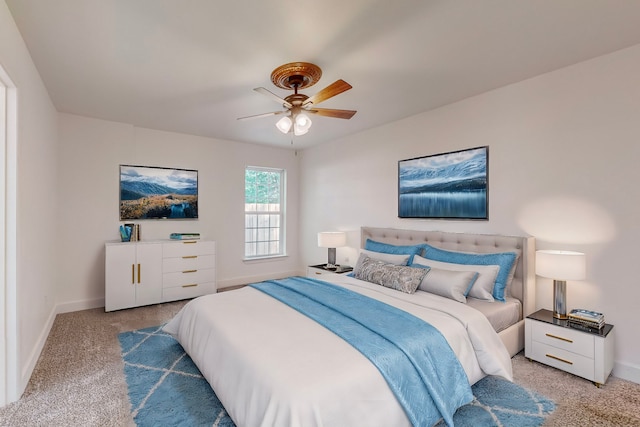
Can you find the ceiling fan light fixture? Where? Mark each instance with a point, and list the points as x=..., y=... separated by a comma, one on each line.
x=301, y=124
x=284, y=124
x=295, y=76
x=303, y=121
x=297, y=130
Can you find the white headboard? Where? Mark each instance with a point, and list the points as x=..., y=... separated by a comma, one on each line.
x=523, y=285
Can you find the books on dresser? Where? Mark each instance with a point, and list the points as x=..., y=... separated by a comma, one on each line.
x=184, y=236
x=580, y=317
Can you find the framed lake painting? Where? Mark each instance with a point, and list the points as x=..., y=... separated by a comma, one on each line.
x=451, y=185
x=148, y=192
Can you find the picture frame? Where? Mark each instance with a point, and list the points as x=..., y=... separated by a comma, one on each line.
x=150, y=192
x=451, y=185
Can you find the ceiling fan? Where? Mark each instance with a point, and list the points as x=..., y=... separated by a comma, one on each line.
x=295, y=76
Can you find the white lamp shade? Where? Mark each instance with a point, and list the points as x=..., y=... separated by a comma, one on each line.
x=303, y=121
x=284, y=124
x=298, y=131
x=332, y=239
x=301, y=124
x=561, y=265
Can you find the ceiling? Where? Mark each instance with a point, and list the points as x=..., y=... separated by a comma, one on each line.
x=189, y=66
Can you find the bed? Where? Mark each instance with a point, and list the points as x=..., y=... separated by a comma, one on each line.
x=521, y=290
x=270, y=364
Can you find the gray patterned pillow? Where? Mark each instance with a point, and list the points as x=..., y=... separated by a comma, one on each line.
x=398, y=277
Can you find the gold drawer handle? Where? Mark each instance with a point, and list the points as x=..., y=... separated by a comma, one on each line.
x=559, y=358
x=559, y=338
x=190, y=241
x=317, y=272
x=190, y=257
x=190, y=286
x=190, y=271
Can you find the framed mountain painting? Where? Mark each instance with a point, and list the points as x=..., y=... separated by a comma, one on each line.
x=451, y=185
x=148, y=192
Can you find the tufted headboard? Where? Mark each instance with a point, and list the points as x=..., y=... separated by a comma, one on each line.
x=523, y=285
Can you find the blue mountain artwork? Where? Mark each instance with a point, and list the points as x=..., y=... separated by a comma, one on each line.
x=447, y=186
x=133, y=190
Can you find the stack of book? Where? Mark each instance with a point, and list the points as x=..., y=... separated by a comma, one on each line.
x=184, y=236
x=582, y=318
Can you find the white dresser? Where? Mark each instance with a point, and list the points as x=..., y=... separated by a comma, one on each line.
x=151, y=272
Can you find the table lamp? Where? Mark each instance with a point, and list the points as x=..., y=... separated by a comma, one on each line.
x=332, y=240
x=560, y=266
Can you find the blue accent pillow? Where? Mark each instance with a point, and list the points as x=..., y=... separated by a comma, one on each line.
x=387, y=248
x=505, y=260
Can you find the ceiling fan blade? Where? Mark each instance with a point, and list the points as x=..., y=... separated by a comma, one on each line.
x=273, y=96
x=257, y=116
x=329, y=112
x=332, y=90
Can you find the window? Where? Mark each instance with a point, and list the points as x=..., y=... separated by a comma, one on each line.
x=264, y=205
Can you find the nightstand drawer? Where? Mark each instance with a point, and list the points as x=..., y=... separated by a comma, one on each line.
x=315, y=272
x=567, y=361
x=563, y=338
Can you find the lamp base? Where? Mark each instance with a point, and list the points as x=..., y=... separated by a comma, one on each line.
x=331, y=252
x=560, y=299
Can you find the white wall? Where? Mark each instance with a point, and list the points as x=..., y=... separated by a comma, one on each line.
x=91, y=151
x=563, y=167
x=37, y=197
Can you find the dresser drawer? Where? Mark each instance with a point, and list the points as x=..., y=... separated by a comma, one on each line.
x=187, y=262
x=567, y=361
x=563, y=338
x=188, y=248
x=188, y=277
x=187, y=291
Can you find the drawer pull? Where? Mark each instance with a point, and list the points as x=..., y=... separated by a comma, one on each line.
x=190, y=271
x=559, y=358
x=559, y=338
x=190, y=286
x=317, y=272
x=190, y=256
x=190, y=241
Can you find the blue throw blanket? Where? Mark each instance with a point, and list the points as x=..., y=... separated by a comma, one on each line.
x=413, y=356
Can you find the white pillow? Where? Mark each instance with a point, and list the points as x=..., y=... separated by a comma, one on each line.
x=388, y=258
x=450, y=284
x=481, y=289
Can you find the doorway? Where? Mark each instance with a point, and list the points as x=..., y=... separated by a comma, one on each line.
x=8, y=263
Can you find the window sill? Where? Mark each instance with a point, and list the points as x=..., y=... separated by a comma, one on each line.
x=264, y=258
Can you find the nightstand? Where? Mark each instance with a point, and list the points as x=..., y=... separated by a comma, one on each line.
x=319, y=270
x=587, y=354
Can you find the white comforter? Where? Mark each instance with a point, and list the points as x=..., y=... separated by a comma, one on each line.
x=272, y=366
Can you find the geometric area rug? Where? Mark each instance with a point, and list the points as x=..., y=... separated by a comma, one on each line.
x=167, y=389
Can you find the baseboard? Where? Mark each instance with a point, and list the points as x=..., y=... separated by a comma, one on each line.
x=32, y=360
x=627, y=371
x=72, y=306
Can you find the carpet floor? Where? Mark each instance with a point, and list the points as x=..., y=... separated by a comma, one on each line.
x=79, y=379
x=167, y=389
